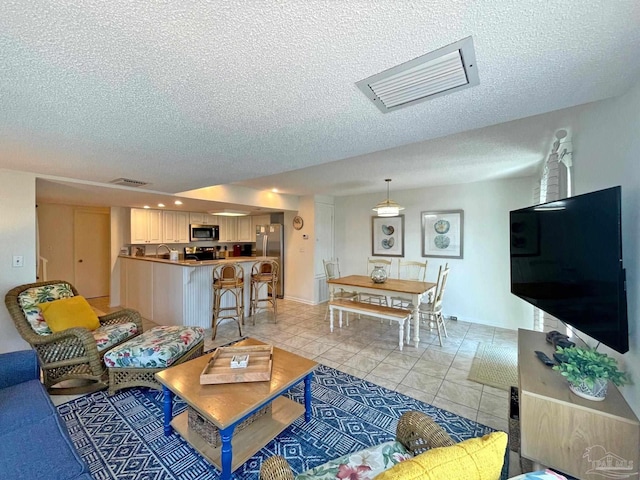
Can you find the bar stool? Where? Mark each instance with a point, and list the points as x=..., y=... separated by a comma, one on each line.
x=228, y=278
x=264, y=274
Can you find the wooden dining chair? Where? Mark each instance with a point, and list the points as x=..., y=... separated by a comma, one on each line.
x=371, y=264
x=331, y=271
x=432, y=311
x=409, y=270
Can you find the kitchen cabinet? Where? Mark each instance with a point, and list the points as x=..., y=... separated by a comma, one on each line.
x=146, y=225
x=175, y=227
x=228, y=229
x=200, y=218
x=244, y=232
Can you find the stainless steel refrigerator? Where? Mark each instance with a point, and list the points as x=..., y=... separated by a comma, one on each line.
x=270, y=243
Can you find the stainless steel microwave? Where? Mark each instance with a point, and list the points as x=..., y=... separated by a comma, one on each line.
x=200, y=233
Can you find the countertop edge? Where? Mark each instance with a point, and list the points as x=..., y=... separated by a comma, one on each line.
x=196, y=263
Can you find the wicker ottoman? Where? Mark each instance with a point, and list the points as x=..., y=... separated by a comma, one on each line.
x=134, y=363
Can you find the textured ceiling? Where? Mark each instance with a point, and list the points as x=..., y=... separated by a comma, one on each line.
x=185, y=94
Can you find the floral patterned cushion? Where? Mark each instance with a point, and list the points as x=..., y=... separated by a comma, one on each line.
x=110, y=335
x=362, y=465
x=30, y=298
x=159, y=347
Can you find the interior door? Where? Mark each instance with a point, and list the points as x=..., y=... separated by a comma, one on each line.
x=92, y=253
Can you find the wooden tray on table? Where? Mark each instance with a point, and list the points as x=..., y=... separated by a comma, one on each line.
x=218, y=369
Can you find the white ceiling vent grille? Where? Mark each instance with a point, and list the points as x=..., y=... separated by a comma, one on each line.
x=434, y=74
x=127, y=182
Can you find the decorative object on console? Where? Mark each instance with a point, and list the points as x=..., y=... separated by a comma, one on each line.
x=388, y=208
x=387, y=236
x=442, y=233
x=588, y=372
x=379, y=274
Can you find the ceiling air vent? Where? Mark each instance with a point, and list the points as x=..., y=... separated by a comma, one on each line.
x=432, y=75
x=127, y=182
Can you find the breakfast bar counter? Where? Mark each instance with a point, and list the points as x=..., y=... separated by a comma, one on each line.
x=175, y=292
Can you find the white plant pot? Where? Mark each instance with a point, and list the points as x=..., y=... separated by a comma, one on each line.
x=597, y=393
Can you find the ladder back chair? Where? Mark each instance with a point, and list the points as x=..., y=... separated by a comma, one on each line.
x=432, y=311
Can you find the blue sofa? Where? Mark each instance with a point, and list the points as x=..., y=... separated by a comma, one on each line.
x=35, y=441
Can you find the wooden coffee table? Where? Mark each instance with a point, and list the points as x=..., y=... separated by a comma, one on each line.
x=230, y=404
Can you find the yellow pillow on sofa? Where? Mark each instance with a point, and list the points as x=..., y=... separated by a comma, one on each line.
x=68, y=313
x=474, y=459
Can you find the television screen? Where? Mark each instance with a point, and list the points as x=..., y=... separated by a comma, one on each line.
x=566, y=259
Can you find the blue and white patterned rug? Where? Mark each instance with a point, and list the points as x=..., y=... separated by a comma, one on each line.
x=121, y=437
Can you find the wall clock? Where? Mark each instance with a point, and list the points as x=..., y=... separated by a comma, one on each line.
x=297, y=222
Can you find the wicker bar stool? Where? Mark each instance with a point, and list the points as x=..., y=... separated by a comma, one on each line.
x=264, y=277
x=228, y=278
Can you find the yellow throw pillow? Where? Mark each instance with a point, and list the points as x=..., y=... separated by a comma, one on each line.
x=474, y=459
x=68, y=313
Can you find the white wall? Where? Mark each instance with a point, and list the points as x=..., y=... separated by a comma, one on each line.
x=17, y=237
x=607, y=153
x=478, y=288
x=299, y=253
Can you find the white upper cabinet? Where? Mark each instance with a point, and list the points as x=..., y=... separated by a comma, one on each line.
x=175, y=227
x=146, y=225
x=228, y=229
x=200, y=218
x=258, y=220
x=244, y=231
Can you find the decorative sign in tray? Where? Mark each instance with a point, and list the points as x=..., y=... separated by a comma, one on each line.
x=219, y=369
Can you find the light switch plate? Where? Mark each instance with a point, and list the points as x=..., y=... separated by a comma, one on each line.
x=18, y=261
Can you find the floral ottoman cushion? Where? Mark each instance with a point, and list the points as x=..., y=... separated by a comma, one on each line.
x=363, y=465
x=159, y=347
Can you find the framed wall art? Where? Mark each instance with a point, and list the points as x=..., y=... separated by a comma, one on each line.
x=387, y=236
x=442, y=233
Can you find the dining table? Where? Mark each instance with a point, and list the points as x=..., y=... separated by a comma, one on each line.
x=413, y=290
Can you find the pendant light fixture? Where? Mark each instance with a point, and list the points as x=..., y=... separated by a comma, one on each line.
x=388, y=208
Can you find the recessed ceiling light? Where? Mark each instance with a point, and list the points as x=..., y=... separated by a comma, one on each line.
x=146, y=206
x=178, y=202
x=274, y=190
x=161, y=205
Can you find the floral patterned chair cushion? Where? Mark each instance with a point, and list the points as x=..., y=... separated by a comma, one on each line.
x=156, y=348
x=109, y=335
x=362, y=465
x=30, y=298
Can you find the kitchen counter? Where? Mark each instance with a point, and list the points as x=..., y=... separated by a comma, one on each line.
x=176, y=292
x=193, y=263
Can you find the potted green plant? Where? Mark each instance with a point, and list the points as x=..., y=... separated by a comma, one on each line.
x=588, y=371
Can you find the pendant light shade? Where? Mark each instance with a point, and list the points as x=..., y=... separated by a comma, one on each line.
x=388, y=208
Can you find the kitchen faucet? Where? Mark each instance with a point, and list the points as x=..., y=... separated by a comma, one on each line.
x=162, y=245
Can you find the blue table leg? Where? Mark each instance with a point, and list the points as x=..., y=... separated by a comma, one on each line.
x=307, y=397
x=226, y=452
x=168, y=413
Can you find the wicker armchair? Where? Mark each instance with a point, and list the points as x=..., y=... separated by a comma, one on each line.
x=70, y=354
x=415, y=430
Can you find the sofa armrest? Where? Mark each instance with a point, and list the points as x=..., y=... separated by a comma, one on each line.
x=18, y=367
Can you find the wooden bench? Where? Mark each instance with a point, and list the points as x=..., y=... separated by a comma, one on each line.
x=400, y=315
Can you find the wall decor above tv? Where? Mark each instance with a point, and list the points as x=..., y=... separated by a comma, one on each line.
x=566, y=259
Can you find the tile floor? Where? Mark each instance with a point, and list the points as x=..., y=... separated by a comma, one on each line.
x=368, y=349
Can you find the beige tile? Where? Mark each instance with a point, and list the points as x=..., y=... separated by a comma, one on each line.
x=493, y=422
x=375, y=353
x=421, y=382
x=436, y=356
x=460, y=377
x=494, y=405
x=383, y=382
x=338, y=355
x=400, y=360
x=415, y=393
x=462, y=410
x=498, y=392
x=390, y=372
x=363, y=363
x=460, y=394
x=317, y=349
x=431, y=368
x=352, y=371
x=462, y=363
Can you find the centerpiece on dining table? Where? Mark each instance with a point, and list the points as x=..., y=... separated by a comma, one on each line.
x=379, y=274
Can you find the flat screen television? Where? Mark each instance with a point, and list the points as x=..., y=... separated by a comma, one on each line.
x=566, y=259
